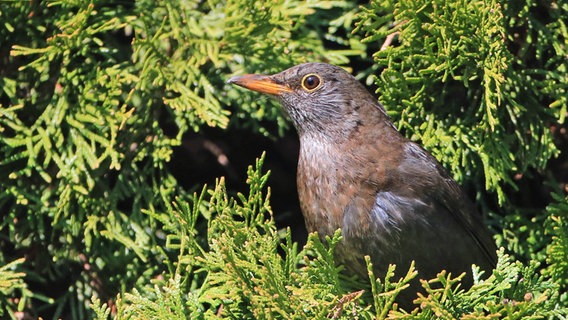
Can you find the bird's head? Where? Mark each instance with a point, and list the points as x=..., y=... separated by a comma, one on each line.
x=321, y=99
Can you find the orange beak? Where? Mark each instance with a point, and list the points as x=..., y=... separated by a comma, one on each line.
x=260, y=83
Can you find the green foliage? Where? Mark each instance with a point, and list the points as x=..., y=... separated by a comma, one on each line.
x=10, y=283
x=513, y=291
x=385, y=292
x=95, y=96
x=556, y=227
x=542, y=238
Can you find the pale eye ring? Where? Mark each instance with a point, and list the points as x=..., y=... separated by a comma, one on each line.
x=311, y=82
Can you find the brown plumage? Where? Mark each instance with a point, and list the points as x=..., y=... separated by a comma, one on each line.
x=392, y=200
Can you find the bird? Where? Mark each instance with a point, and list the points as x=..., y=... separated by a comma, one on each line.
x=391, y=199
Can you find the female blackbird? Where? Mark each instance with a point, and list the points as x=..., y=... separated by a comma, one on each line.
x=392, y=200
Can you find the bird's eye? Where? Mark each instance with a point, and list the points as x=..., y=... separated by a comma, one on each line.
x=311, y=82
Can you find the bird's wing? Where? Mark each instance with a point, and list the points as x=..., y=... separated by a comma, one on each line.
x=440, y=191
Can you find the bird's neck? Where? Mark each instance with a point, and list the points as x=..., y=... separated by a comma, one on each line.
x=358, y=125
